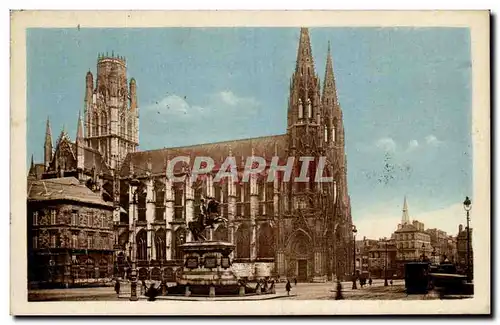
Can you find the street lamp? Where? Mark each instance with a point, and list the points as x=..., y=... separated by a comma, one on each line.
x=354, y=231
x=133, y=275
x=468, y=207
x=385, y=271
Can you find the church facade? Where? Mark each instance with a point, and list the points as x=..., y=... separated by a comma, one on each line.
x=283, y=229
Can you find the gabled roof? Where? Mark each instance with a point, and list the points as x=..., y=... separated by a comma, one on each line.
x=219, y=151
x=66, y=188
x=91, y=157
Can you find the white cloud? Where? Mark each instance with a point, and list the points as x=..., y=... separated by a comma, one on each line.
x=412, y=145
x=231, y=99
x=432, y=140
x=386, y=144
x=383, y=224
x=228, y=98
x=213, y=119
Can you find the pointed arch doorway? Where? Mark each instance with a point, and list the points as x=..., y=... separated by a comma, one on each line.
x=300, y=262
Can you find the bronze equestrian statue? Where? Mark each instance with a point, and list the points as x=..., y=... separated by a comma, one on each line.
x=209, y=216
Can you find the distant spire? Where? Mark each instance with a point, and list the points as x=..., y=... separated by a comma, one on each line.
x=305, y=62
x=79, y=128
x=48, y=145
x=32, y=171
x=406, y=216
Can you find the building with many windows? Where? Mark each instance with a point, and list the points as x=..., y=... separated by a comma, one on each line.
x=411, y=241
x=382, y=258
x=439, y=243
x=70, y=234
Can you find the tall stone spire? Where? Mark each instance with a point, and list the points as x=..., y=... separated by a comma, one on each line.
x=305, y=63
x=47, y=146
x=406, y=217
x=329, y=88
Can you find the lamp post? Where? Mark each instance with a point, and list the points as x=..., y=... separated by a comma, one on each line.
x=133, y=274
x=354, y=231
x=385, y=270
x=468, y=207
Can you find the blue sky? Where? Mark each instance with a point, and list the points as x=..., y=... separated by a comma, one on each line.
x=405, y=94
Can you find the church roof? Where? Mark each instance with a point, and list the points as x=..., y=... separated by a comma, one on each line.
x=93, y=158
x=66, y=188
x=219, y=151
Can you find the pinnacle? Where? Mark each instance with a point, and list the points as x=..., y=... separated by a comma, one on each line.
x=305, y=60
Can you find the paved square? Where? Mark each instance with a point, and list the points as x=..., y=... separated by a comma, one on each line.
x=303, y=291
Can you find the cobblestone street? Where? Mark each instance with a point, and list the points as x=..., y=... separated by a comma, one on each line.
x=303, y=291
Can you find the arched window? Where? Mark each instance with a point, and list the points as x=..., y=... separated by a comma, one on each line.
x=243, y=241
x=123, y=130
x=301, y=245
x=95, y=124
x=160, y=201
x=179, y=239
x=266, y=241
x=160, y=245
x=129, y=128
x=103, y=268
x=142, y=245
x=141, y=202
x=325, y=130
x=104, y=123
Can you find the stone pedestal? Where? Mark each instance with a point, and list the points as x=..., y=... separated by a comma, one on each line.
x=207, y=267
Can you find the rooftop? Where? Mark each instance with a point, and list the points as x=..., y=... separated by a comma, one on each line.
x=66, y=188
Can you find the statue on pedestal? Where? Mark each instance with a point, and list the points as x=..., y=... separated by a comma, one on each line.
x=208, y=216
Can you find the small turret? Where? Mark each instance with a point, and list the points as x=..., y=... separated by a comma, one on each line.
x=133, y=95
x=80, y=155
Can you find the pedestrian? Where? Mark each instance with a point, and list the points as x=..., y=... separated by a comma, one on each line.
x=370, y=281
x=288, y=287
x=338, y=295
x=295, y=280
x=391, y=282
x=144, y=286
x=152, y=293
x=117, y=287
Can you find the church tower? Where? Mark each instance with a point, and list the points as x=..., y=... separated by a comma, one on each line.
x=111, y=112
x=333, y=138
x=304, y=121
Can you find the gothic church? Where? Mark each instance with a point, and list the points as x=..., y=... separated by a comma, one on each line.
x=280, y=229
